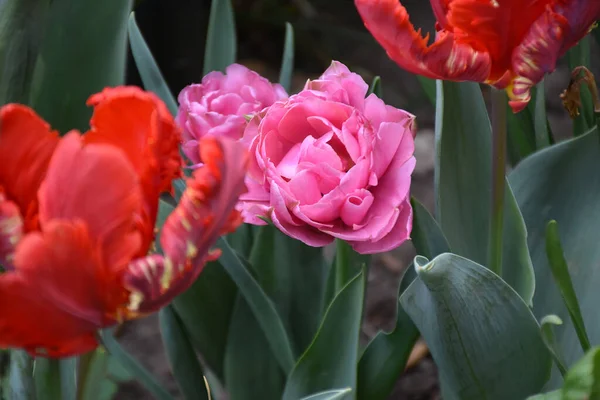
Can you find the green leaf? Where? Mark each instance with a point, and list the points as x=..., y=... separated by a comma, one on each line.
x=20, y=376
x=375, y=87
x=92, y=374
x=251, y=369
x=260, y=304
x=520, y=132
x=149, y=72
x=47, y=377
x=562, y=183
x=82, y=52
x=287, y=62
x=550, y=341
x=331, y=359
x=338, y=394
x=221, y=42
x=68, y=378
x=427, y=236
x=181, y=355
x=555, y=395
x=21, y=28
x=583, y=379
x=460, y=307
x=540, y=122
x=428, y=86
x=131, y=364
x=560, y=272
x=386, y=355
x=463, y=186
x=205, y=310
x=293, y=275
x=579, y=55
x=242, y=239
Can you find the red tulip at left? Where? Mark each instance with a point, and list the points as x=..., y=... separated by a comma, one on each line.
x=77, y=217
x=509, y=44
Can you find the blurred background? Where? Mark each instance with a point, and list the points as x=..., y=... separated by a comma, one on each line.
x=324, y=30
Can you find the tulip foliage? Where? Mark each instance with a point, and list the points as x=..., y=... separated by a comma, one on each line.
x=246, y=215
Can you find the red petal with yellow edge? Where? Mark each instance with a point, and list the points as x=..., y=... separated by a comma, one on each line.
x=11, y=231
x=139, y=123
x=26, y=145
x=389, y=23
x=550, y=36
x=54, y=300
x=95, y=184
x=205, y=212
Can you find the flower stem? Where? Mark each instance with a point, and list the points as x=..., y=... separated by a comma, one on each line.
x=343, y=268
x=498, y=180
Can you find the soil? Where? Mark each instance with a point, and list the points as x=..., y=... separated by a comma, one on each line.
x=325, y=30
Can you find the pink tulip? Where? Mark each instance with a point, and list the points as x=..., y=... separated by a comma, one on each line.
x=329, y=163
x=220, y=105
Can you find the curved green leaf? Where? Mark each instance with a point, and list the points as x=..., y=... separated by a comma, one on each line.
x=147, y=67
x=83, y=51
x=478, y=329
x=331, y=359
x=260, y=304
x=550, y=341
x=463, y=186
x=251, y=369
x=427, y=236
x=562, y=183
x=287, y=62
x=375, y=87
x=131, y=365
x=338, y=394
x=20, y=376
x=181, y=355
x=221, y=41
x=583, y=379
x=21, y=27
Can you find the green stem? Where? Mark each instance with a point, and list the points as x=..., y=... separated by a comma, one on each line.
x=343, y=269
x=21, y=385
x=498, y=181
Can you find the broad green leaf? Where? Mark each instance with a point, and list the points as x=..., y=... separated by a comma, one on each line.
x=562, y=183
x=47, y=377
x=347, y=263
x=480, y=332
x=68, y=378
x=93, y=369
x=21, y=27
x=330, y=361
x=131, y=364
x=83, y=51
x=149, y=72
x=427, y=236
x=181, y=355
x=386, y=355
x=20, y=376
x=221, y=41
x=293, y=275
x=287, y=62
x=583, y=379
x=205, y=310
x=550, y=341
x=560, y=272
x=338, y=394
x=463, y=186
x=260, y=304
x=579, y=55
x=428, y=86
x=251, y=369
x=242, y=239
x=375, y=87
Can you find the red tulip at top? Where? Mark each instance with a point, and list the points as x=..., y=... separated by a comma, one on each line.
x=509, y=44
x=77, y=218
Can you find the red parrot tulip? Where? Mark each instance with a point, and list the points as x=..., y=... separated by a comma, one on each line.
x=509, y=44
x=77, y=218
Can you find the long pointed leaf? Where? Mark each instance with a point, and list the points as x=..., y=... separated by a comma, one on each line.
x=221, y=42
x=287, y=62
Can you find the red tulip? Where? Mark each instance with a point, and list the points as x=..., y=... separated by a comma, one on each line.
x=77, y=217
x=509, y=44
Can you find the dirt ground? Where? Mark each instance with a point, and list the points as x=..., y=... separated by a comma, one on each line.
x=324, y=31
